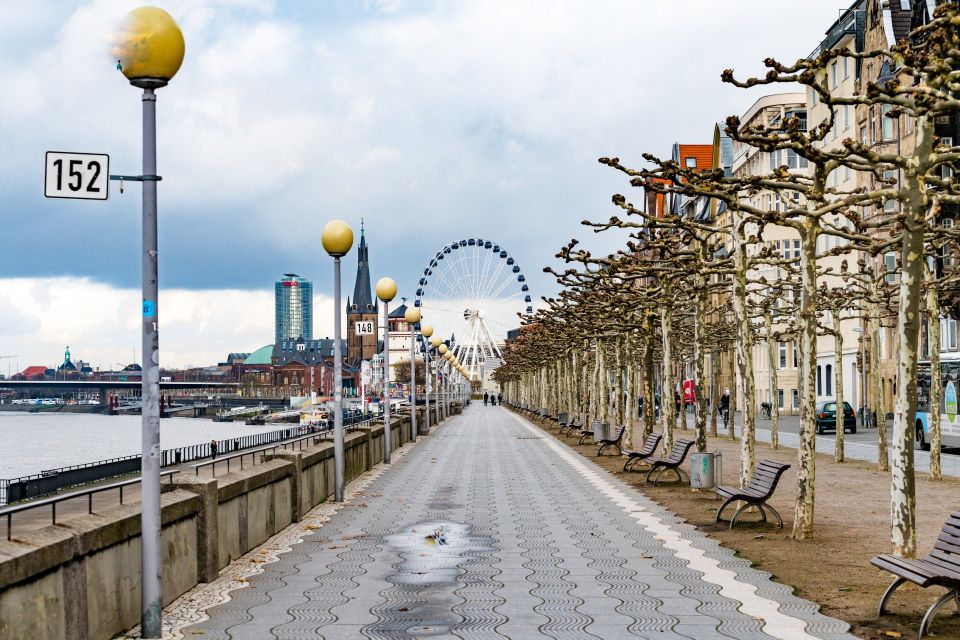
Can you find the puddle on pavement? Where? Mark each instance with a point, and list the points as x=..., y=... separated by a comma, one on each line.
x=433, y=554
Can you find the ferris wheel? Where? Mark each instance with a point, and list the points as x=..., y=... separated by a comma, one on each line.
x=474, y=289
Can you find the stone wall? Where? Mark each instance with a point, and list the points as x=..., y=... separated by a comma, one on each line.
x=81, y=578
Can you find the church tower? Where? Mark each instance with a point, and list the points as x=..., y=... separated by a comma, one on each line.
x=361, y=310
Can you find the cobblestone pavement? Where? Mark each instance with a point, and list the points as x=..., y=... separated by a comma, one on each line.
x=536, y=542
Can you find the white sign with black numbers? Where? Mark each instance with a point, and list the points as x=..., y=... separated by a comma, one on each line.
x=366, y=328
x=83, y=176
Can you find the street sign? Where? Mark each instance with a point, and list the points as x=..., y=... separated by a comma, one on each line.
x=365, y=328
x=77, y=176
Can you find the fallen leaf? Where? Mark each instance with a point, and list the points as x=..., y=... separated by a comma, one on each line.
x=893, y=634
x=403, y=609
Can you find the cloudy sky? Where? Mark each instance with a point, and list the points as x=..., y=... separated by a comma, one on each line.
x=432, y=120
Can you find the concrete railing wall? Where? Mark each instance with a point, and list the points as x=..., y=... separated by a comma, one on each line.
x=81, y=578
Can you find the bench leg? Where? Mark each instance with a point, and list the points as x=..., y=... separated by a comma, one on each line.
x=725, y=504
x=600, y=450
x=932, y=611
x=736, y=514
x=774, y=512
x=659, y=470
x=628, y=464
x=586, y=435
x=886, y=595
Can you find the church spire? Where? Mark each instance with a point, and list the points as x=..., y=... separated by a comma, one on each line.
x=362, y=298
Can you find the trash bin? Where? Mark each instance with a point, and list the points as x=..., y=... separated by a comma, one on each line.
x=601, y=431
x=704, y=470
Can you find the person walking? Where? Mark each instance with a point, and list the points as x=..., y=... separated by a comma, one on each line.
x=485, y=397
x=213, y=449
x=500, y=399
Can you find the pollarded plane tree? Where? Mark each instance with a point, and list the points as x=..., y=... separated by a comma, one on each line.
x=925, y=86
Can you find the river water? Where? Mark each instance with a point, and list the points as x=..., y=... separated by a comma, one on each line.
x=33, y=442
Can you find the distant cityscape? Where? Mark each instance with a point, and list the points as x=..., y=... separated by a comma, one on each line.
x=295, y=363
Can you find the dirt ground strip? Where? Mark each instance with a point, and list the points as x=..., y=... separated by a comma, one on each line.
x=852, y=516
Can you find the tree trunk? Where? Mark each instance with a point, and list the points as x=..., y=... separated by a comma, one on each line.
x=683, y=401
x=699, y=362
x=744, y=350
x=903, y=507
x=649, y=395
x=731, y=365
x=774, y=395
x=670, y=419
x=838, y=384
x=933, y=322
x=807, y=330
x=876, y=375
x=714, y=384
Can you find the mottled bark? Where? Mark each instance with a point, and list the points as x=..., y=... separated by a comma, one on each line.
x=876, y=376
x=838, y=452
x=744, y=348
x=700, y=316
x=670, y=418
x=731, y=366
x=807, y=331
x=714, y=391
x=649, y=397
x=936, y=382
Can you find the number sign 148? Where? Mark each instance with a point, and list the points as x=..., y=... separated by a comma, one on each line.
x=84, y=176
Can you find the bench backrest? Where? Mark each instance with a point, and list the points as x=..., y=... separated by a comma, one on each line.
x=946, y=550
x=619, y=435
x=679, y=451
x=563, y=417
x=766, y=476
x=650, y=444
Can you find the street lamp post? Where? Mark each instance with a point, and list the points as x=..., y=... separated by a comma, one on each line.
x=426, y=331
x=412, y=316
x=337, y=240
x=435, y=342
x=386, y=291
x=149, y=63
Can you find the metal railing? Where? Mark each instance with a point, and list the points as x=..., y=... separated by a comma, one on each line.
x=295, y=444
x=53, y=502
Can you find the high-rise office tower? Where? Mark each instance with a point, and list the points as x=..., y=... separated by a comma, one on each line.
x=294, y=308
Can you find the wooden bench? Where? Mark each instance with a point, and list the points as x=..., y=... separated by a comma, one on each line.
x=649, y=447
x=756, y=493
x=612, y=442
x=940, y=568
x=672, y=462
x=562, y=420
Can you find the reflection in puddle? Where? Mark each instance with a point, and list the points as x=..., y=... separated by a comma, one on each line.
x=421, y=599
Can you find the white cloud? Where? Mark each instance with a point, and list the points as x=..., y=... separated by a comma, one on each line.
x=101, y=324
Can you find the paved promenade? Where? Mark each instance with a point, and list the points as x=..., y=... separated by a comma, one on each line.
x=534, y=541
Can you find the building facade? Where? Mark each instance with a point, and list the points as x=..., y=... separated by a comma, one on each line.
x=293, y=313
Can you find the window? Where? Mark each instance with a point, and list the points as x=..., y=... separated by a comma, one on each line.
x=949, y=261
x=814, y=96
x=905, y=5
x=886, y=122
x=948, y=334
x=691, y=163
x=863, y=134
x=819, y=375
x=780, y=398
x=890, y=266
x=783, y=362
x=833, y=74
x=829, y=379
x=796, y=358
x=891, y=203
x=796, y=398
x=846, y=70
x=846, y=110
x=796, y=249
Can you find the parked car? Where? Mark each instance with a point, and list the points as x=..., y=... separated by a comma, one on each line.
x=827, y=417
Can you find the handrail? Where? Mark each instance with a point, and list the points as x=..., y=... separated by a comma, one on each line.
x=52, y=502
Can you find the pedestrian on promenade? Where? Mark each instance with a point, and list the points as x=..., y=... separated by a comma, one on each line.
x=676, y=402
x=500, y=398
x=213, y=449
x=485, y=397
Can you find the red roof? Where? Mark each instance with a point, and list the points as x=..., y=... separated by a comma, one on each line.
x=701, y=153
x=35, y=371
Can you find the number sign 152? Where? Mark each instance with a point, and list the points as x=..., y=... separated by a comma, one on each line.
x=84, y=176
